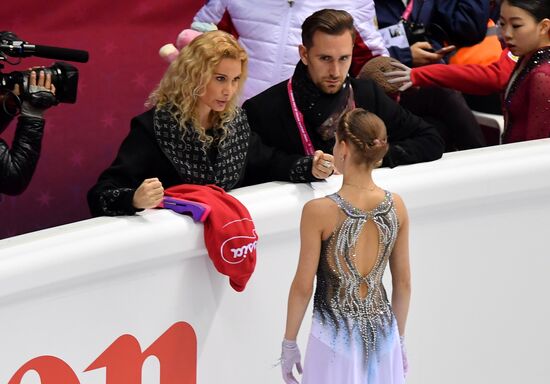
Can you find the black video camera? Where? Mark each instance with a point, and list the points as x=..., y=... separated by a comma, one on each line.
x=63, y=75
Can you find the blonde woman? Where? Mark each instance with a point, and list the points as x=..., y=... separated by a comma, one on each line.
x=194, y=133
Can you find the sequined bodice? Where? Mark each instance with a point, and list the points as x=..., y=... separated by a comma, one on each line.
x=337, y=296
x=527, y=99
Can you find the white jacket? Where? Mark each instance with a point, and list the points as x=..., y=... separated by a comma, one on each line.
x=270, y=32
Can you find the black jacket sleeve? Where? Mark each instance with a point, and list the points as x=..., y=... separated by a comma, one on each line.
x=268, y=163
x=412, y=139
x=138, y=158
x=404, y=55
x=17, y=164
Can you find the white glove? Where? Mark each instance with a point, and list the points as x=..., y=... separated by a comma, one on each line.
x=402, y=75
x=290, y=356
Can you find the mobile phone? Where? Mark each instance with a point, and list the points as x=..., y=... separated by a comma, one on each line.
x=445, y=50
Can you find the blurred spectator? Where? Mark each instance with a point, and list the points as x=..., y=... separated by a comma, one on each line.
x=526, y=91
x=423, y=32
x=486, y=52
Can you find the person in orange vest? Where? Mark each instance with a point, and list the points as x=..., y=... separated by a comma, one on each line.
x=485, y=52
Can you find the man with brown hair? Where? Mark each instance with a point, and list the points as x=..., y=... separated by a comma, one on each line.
x=300, y=115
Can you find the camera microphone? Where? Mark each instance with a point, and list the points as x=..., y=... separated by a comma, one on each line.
x=56, y=53
x=63, y=75
x=19, y=48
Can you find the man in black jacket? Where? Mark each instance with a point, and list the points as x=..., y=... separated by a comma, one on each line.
x=300, y=115
x=17, y=164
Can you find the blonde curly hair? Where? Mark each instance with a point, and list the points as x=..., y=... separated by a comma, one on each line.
x=187, y=77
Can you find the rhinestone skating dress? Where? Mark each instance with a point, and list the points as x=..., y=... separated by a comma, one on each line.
x=354, y=338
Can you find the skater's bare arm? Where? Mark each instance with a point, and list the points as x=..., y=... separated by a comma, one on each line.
x=302, y=286
x=400, y=268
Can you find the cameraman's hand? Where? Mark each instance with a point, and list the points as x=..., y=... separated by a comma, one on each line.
x=149, y=194
x=41, y=95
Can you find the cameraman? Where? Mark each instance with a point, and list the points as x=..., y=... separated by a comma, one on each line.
x=17, y=164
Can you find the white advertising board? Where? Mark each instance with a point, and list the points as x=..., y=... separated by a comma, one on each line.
x=130, y=300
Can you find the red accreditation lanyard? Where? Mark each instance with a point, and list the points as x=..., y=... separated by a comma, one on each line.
x=299, y=117
x=408, y=10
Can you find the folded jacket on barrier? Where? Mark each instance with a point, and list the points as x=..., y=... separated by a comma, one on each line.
x=229, y=233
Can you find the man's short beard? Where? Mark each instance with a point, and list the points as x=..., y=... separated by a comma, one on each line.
x=330, y=91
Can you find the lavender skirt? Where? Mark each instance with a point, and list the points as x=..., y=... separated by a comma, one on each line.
x=339, y=357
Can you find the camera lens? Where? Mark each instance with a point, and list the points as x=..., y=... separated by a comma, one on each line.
x=64, y=78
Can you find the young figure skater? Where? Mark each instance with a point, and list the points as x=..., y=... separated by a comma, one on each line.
x=525, y=87
x=347, y=240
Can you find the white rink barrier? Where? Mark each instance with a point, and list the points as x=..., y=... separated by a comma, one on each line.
x=79, y=303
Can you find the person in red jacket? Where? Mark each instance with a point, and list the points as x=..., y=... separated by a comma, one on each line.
x=522, y=74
